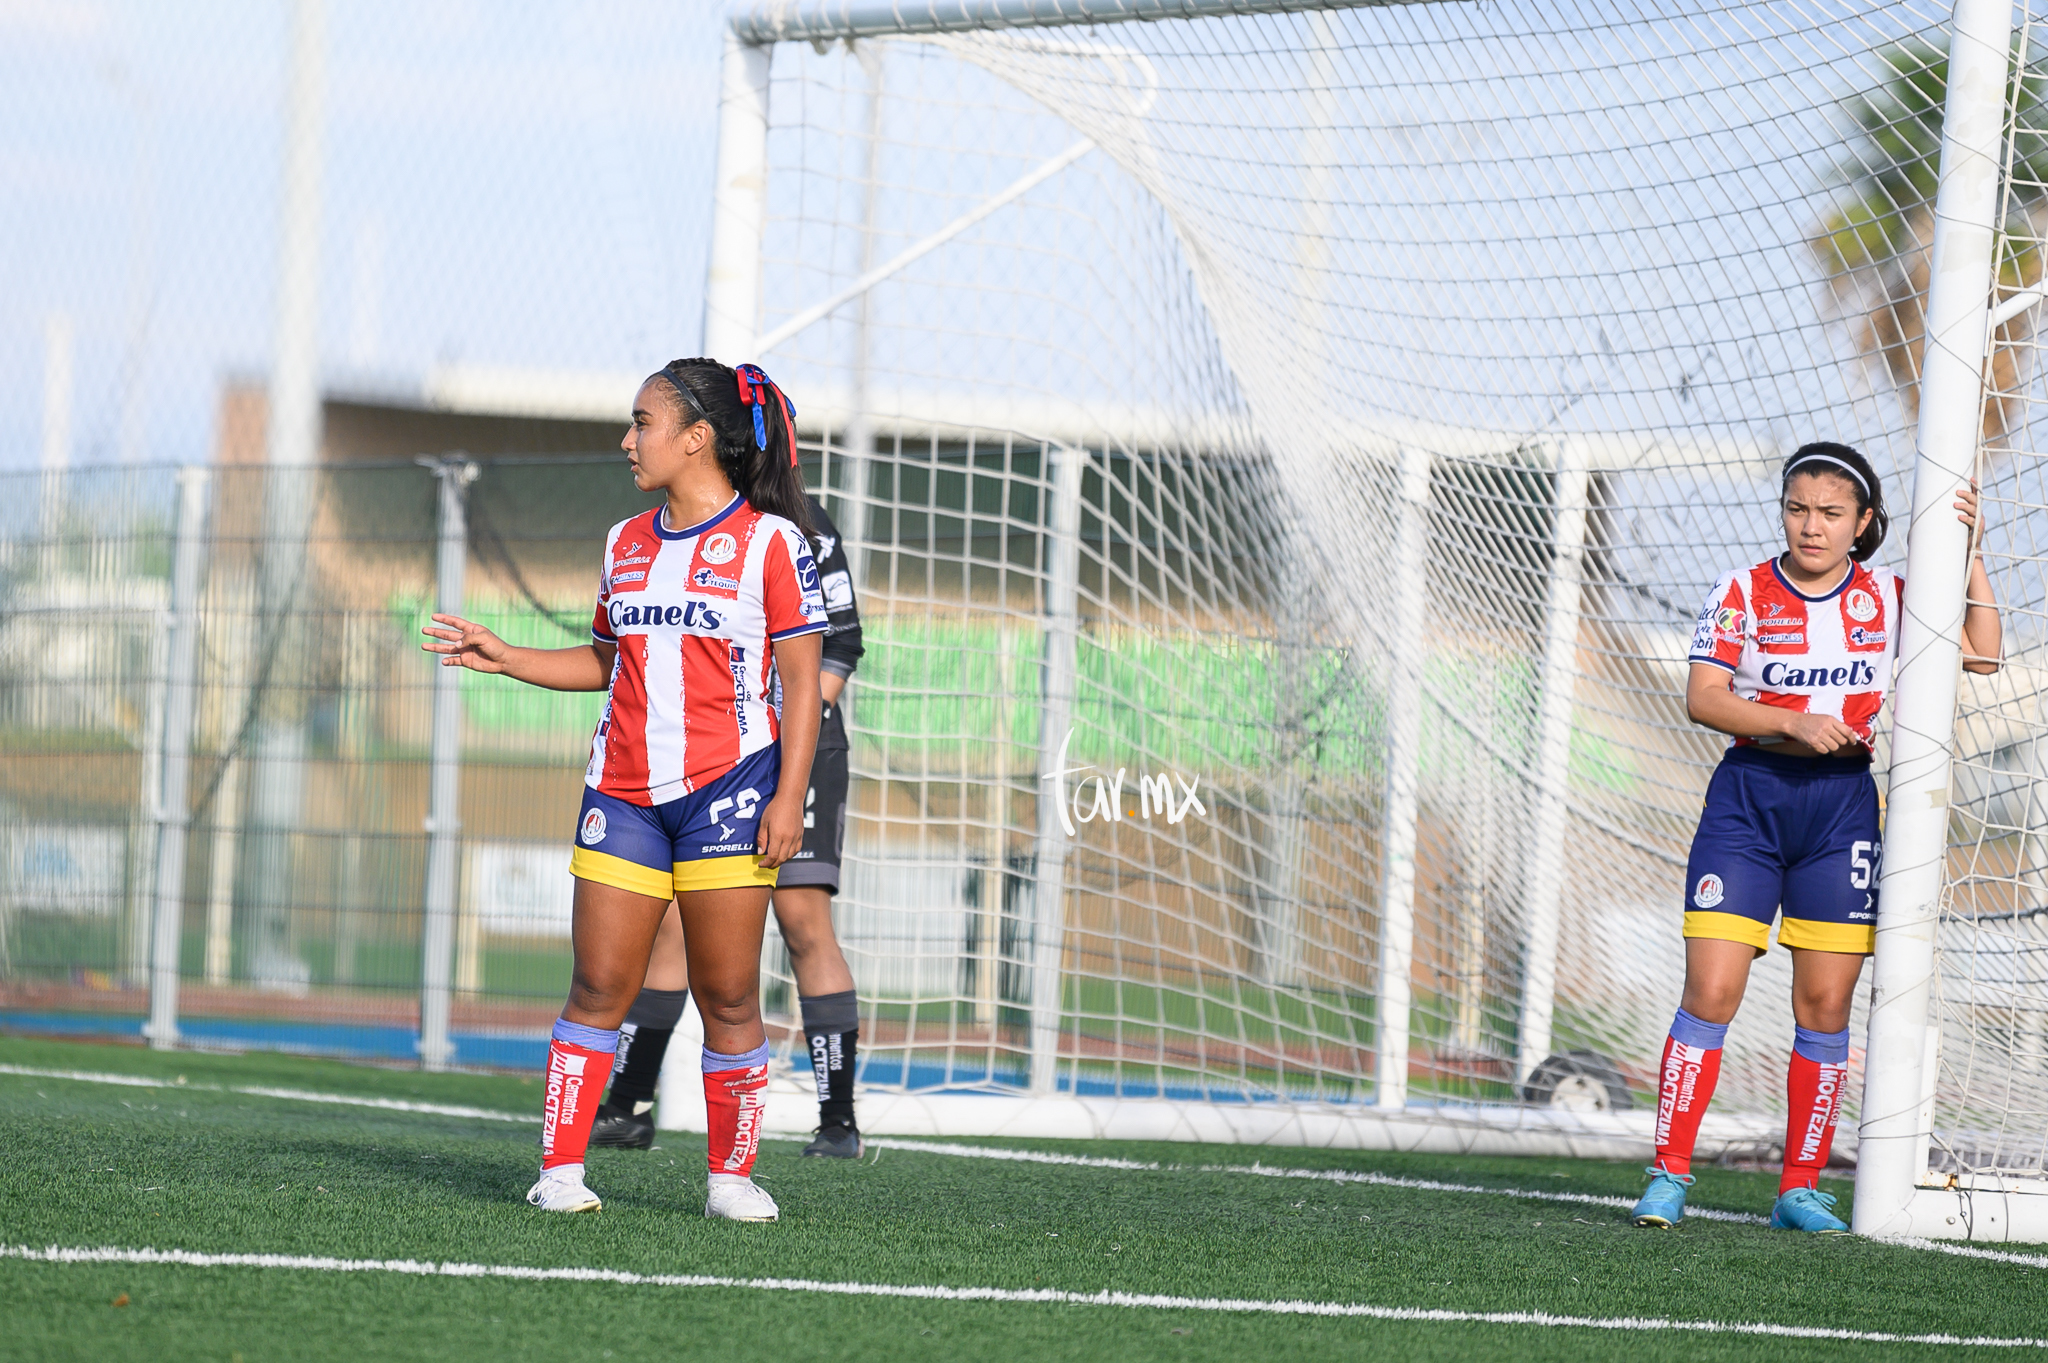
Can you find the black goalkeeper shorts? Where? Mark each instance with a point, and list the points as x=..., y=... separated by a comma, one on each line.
x=817, y=863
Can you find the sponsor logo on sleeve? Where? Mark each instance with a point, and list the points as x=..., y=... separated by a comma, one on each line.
x=593, y=828
x=1708, y=892
x=838, y=590
x=824, y=545
x=1861, y=606
x=1728, y=623
x=719, y=548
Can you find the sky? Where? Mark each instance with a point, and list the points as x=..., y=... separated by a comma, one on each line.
x=508, y=184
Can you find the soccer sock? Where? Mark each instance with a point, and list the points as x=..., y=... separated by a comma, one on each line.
x=832, y=1028
x=735, y=1089
x=643, y=1043
x=1685, y=1084
x=577, y=1055
x=1813, y=1092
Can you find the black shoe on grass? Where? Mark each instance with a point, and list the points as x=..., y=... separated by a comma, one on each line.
x=622, y=1130
x=837, y=1141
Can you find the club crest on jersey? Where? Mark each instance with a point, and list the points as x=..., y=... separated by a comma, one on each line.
x=1860, y=605
x=719, y=548
x=593, y=828
x=1709, y=891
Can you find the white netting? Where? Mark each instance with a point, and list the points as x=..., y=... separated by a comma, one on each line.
x=1636, y=253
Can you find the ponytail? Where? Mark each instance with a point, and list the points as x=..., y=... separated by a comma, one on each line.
x=1848, y=464
x=755, y=429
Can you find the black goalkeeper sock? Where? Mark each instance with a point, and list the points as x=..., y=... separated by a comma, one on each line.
x=832, y=1029
x=650, y=1025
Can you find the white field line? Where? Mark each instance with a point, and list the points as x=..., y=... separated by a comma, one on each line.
x=1033, y=1296
x=1969, y=1251
x=1272, y=1171
x=256, y=1091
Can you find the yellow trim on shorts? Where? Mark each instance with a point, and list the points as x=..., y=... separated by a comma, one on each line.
x=1729, y=927
x=1854, y=939
x=620, y=874
x=723, y=873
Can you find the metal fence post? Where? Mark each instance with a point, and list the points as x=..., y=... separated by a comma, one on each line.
x=1569, y=507
x=444, y=814
x=1404, y=747
x=1062, y=628
x=173, y=805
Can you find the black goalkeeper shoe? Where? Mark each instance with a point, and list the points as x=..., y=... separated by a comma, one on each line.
x=622, y=1130
x=837, y=1141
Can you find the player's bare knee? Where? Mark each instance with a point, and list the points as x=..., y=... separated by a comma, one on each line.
x=728, y=1008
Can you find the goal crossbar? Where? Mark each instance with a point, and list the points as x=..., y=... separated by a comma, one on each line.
x=823, y=21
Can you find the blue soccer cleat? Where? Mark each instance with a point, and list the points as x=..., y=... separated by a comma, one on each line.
x=1663, y=1202
x=1807, y=1209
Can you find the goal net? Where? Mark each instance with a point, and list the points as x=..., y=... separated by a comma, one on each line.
x=1333, y=419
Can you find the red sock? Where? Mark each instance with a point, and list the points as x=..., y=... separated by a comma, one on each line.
x=733, y=1103
x=1685, y=1084
x=1813, y=1090
x=576, y=1076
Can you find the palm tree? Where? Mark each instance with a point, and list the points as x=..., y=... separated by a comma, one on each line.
x=1873, y=245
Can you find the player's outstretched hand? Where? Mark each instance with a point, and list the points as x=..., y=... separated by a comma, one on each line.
x=1822, y=733
x=464, y=643
x=782, y=829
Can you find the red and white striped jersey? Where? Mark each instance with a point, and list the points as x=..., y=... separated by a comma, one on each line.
x=1824, y=655
x=694, y=613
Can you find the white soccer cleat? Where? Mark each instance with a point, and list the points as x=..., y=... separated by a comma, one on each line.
x=561, y=1190
x=736, y=1198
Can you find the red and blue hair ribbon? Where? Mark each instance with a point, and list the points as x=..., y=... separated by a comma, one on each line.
x=755, y=390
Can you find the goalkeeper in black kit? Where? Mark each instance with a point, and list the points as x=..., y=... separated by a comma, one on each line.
x=803, y=894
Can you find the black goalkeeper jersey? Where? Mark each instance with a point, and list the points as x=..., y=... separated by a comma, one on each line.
x=835, y=576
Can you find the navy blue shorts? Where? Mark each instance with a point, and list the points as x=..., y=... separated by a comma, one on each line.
x=706, y=840
x=1801, y=832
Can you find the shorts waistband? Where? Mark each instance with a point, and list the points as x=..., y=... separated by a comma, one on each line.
x=1791, y=764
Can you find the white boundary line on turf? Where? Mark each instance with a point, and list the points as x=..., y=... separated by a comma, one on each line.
x=257, y=1091
x=1967, y=1251
x=1034, y=1296
x=1273, y=1171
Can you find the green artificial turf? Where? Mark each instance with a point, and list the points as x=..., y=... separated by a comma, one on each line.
x=203, y=1169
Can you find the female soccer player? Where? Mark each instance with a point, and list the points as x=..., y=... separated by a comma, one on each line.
x=1792, y=659
x=803, y=911
x=694, y=793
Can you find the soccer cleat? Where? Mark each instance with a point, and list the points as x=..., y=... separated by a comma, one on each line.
x=734, y=1198
x=840, y=1140
x=1807, y=1209
x=1663, y=1202
x=622, y=1130
x=561, y=1190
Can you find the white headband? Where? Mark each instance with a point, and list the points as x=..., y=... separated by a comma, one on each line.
x=1818, y=458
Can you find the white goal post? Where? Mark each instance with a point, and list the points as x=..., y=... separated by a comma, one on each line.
x=1381, y=385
